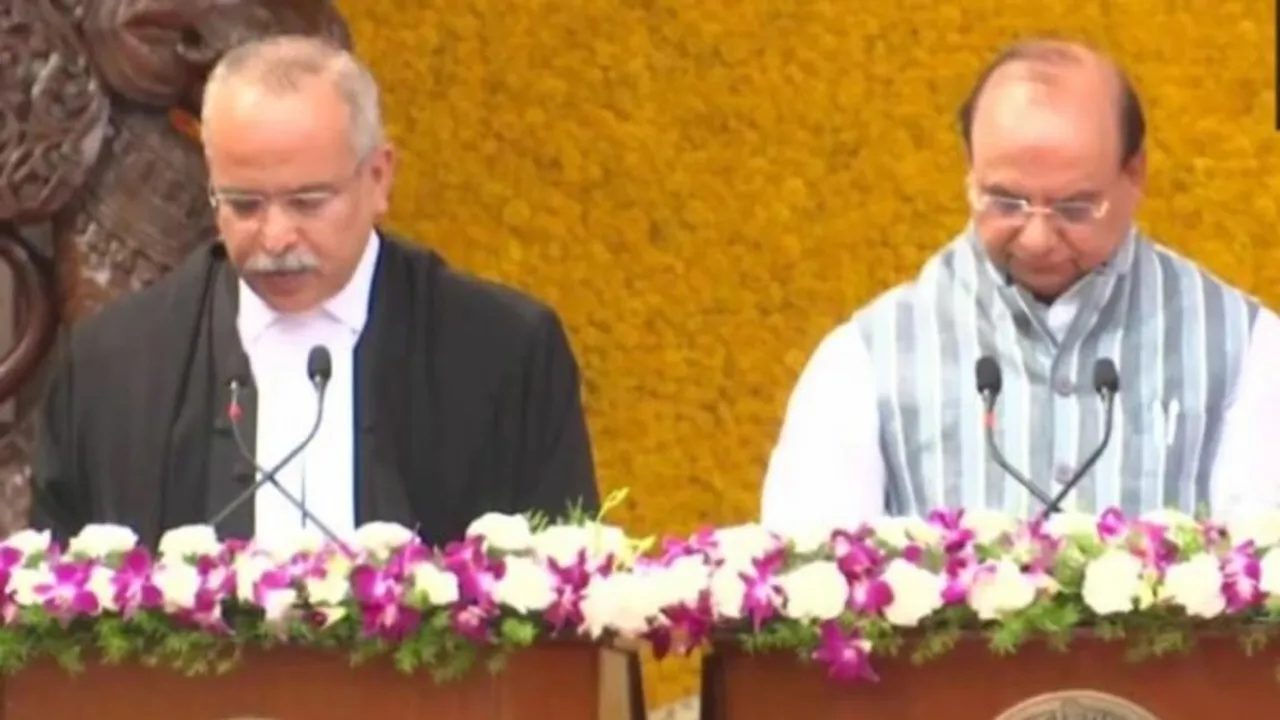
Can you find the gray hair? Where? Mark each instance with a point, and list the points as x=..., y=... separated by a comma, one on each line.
x=284, y=63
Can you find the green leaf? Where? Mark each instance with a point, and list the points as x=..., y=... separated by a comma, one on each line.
x=1255, y=639
x=936, y=644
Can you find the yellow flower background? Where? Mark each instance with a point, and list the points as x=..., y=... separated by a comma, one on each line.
x=703, y=188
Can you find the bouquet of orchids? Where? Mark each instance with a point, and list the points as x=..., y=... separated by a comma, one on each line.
x=839, y=597
x=198, y=602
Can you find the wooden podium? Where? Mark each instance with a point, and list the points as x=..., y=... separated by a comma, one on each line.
x=1093, y=679
x=564, y=681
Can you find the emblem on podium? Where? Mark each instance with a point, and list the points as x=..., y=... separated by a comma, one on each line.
x=1076, y=705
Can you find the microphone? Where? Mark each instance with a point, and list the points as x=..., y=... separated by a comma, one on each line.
x=1106, y=382
x=319, y=370
x=987, y=372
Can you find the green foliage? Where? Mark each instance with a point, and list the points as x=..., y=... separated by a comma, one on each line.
x=1054, y=622
x=936, y=644
x=576, y=513
x=156, y=640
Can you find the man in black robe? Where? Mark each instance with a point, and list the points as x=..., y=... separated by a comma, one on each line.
x=465, y=393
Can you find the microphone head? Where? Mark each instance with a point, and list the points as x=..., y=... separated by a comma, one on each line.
x=319, y=365
x=987, y=373
x=1105, y=376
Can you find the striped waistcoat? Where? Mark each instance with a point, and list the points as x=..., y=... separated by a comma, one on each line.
x=1176, y=334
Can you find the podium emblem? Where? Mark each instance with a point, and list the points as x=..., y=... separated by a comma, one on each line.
x=1076, y=705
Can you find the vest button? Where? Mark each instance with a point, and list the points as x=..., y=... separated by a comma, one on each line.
x=1063, y=386
x=1063, y=473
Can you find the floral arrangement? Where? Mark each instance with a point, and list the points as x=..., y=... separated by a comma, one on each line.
x=198, y=602
x=839, y=597
x=836, y=597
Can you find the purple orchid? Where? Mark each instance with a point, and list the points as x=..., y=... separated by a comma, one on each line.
x=960, y=572
x=956, y=538
x=914, y=554
x=232, y=548
x=134, y=588
x=856, y=556
x=67, y=594
x=1241, y=577
x=946, y=518
x=472, y=622
x=379, y=596
x=1213, y=534
x=1113, y=526
x=269, y=586
x=688, y=625
x=869, y=596
x=1152, y=544
x=661, y=640
x=1035, y=549
x=217, y=586
x=702, y=543
x=406, y=556
x=571, y=584
x=10, y=559
x=478, y=573
x=762, y=595
x=845, y=653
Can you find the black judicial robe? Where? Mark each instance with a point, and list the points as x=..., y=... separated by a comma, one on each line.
x=467, y=400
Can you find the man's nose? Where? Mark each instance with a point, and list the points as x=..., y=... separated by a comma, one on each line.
x=1037, y=236
x=279, y=232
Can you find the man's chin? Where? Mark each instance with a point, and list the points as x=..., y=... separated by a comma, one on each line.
x=1046, y=285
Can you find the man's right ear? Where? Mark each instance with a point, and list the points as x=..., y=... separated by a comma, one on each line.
x=1135, y=171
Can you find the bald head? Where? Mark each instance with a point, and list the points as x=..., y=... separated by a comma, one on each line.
x=1046, y=77
x=289, y=64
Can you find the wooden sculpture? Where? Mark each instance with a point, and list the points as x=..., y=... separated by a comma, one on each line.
x=102, y=182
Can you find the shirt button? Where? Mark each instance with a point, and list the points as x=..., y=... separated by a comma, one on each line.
x=1063, y=385
x=1063, y=473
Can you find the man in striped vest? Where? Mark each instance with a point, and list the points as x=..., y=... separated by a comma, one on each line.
x=1049, y=277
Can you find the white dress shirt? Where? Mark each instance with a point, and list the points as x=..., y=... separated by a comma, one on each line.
x=322, y=476
x=827, y=469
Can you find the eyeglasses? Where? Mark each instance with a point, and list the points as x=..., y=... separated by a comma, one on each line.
x=247, y=207
x=1015, y=209
x=305, y=204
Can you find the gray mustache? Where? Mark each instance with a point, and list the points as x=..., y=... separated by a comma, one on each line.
x=293, y=261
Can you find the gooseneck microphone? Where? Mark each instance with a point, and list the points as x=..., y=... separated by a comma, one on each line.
x=319, y=370
x=990, y=382
x=1106, y=382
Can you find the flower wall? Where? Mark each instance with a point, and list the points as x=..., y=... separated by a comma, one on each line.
x=703, y=189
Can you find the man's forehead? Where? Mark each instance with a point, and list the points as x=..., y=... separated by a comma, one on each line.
x=1074, y=95
x=276, y=129
x=1027, y=123
x=260, y=104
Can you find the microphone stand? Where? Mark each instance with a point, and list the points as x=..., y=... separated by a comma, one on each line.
x=266, y=476
x=1054, y=504
x=989, y=401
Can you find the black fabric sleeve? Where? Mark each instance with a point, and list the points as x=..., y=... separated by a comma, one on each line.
x=557, y=470
x=59, y=500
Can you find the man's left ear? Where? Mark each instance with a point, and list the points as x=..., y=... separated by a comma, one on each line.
x=382, y=166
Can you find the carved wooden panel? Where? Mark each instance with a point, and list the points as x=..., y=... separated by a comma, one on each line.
x=53, y=109
x=87, y=93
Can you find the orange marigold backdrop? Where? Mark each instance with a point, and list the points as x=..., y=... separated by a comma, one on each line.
x=705, y=188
